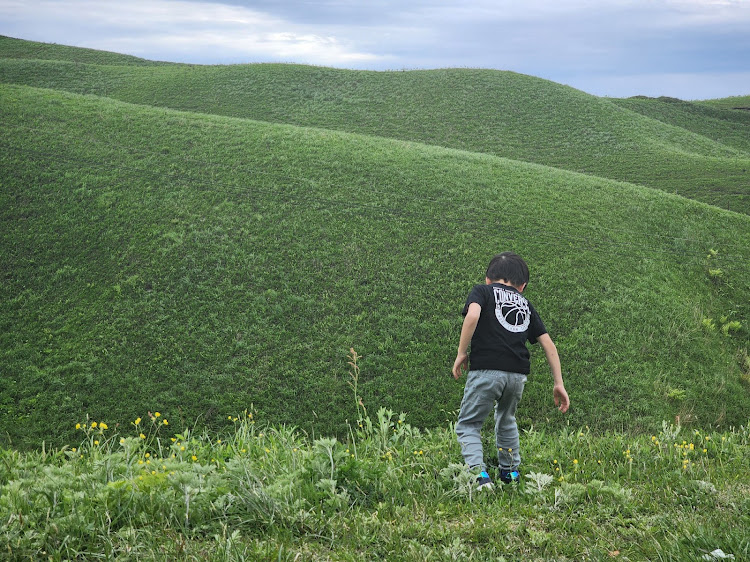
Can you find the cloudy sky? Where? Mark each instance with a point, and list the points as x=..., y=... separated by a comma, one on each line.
x=690, y=49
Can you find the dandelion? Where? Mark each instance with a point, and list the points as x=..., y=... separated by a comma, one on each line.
x=122, y=441
x=103, y=425
x=142, y=436
x=165, y=422
x=74, y=449
x=268, y=450
x=78, y=426
x=137, y=421
x=96, y=442
x=575, y=461
x=229, y=418
x=173, y=439
x=705, y=451
x=182, y=447
x=93, y=425
x=157, y=414
x=194, y=458
x=148, y=455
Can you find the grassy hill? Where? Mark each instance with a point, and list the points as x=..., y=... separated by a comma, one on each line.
x=500, y=113
x=195, y=264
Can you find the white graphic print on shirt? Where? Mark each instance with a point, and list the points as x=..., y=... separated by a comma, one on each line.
x=511, y=310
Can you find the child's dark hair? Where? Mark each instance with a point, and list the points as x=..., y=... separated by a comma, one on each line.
x=510, y=267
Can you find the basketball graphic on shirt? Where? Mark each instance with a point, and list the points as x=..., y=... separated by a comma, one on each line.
x=512, y=310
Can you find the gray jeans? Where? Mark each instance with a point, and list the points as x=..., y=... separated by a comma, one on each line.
x=485, y=389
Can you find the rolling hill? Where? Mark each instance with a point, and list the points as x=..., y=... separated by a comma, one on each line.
x=701, y=153
x=169, y=244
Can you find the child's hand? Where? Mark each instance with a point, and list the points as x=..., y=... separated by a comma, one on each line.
x=460, y=364
x=561, y=398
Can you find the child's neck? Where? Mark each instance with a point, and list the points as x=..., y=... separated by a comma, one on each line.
x=506, y=283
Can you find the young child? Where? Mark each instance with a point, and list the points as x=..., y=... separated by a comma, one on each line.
x=498, y=321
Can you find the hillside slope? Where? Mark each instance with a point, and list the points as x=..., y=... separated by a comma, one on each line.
x=500, y=113
x=729, y=128
x=193, y=264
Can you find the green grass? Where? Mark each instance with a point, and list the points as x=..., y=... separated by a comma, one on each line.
x=499, y=113
x=385, y=491
x=183, y=244
x=195, y=264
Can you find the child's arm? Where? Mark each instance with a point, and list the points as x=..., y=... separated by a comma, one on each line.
x=560, y=394
x=467, y=331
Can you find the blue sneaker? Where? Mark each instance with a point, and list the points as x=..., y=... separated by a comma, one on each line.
x=509, y=476
x=484, y=482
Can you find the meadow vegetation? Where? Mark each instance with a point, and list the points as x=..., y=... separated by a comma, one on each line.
x=387, y=490
x=194, y=241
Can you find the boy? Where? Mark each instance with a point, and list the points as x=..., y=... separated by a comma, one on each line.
x=498, y=321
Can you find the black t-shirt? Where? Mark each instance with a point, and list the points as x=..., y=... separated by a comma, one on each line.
x=506, y=323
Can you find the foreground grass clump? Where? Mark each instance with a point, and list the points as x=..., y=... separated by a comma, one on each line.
x=388, y=491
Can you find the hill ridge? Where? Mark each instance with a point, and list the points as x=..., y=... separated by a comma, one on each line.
x=157, y=277
x=498, y=112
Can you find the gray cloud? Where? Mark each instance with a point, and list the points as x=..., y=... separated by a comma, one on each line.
x=691, y=49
